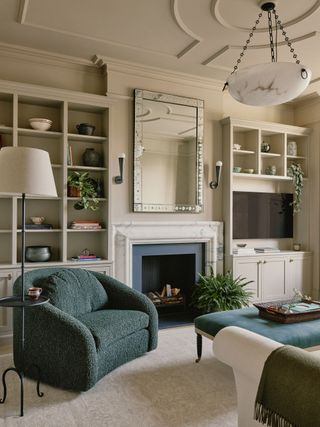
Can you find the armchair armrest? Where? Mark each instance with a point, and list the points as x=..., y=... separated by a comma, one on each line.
x=243, y=350
x=59, y=344
x=122, y=297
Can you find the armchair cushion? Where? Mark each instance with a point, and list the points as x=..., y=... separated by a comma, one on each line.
x=109, y=326
x=67, y=286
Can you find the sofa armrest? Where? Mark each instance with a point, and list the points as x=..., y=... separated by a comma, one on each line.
x=59, y=344
x=121, y=296
x=243, y=350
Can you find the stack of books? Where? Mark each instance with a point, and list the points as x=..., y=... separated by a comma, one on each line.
x=86, y=258
x=266, y=249
x=244, y=251
x=85, y=225
x=39, y=226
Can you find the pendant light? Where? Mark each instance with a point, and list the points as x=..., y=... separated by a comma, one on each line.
x=272, y=83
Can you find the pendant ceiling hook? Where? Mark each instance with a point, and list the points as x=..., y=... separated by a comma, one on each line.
x=267, y=6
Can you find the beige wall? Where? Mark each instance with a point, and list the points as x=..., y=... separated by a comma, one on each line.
x=70, y=73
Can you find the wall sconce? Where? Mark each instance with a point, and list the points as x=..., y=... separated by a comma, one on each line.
x=214, y=184
x=119, y=179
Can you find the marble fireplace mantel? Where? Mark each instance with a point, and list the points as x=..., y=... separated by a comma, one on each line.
x=127, y=234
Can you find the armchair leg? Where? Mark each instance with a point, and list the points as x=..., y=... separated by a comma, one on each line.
x=199, y=347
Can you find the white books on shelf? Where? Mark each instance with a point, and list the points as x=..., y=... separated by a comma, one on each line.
x=244, y=251
x=266, y=250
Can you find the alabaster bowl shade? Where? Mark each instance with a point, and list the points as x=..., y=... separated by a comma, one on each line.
x=26, y=170
x=269, y=84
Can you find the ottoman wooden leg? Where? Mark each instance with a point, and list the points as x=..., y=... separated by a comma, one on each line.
x=199, y=347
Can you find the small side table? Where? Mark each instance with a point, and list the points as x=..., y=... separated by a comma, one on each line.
x=17, y=302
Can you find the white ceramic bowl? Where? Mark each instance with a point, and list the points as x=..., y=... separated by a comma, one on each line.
x=40, y=124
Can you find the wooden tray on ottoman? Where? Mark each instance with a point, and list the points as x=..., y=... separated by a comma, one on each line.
x=273, y=310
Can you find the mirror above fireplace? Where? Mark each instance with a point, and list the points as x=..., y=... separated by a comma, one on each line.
x=168, y=153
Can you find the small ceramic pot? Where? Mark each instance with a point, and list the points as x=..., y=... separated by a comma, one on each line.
x=85, y=129
x=38, y=253
x=91, y=157
x=34, y=293
x=292, y=148
x=265, y=147
x=271, y=170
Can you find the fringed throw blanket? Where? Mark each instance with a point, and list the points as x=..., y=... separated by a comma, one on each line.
x=289, y=389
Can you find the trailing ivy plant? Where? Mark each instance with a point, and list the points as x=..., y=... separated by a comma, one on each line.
x=297, y=174
x=88, y=194
x=220, y=292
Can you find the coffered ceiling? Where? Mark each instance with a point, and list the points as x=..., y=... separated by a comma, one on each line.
x=199, y=37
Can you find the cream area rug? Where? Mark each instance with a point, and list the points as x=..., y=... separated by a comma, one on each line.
x=164, y=388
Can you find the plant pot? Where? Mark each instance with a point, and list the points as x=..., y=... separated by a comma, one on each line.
x=73, y=191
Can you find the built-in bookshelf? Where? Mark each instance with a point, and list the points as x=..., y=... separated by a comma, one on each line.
x=66, y=109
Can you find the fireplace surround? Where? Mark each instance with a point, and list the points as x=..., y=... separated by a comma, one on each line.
x=128, y=234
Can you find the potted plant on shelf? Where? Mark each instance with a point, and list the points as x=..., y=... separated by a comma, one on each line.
x=295, y=171
x=220, y=292
x=81, y=185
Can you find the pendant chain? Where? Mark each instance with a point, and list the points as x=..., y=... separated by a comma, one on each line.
x=272, y=46
x=245, y=47
x=286, y=38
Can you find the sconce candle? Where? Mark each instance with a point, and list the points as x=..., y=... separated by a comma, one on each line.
x=214, y=184
x=119, y=179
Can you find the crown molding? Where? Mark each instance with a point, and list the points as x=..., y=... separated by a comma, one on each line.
x=146, y=71
x=37, y=56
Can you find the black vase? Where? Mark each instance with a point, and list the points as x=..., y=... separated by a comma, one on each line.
x=91, y=158
x=85, y=129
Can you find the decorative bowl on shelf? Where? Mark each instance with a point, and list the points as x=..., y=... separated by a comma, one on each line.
x=237, y=169
x=38, y=253
x=37, y=219
x=241, y=245
x=248, y=170
x=40, y=124
x=236, y=146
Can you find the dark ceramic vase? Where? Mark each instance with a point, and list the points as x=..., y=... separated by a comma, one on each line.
x=91, y=158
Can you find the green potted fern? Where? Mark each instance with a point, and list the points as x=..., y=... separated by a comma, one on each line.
x=81, y=185
x=220, y=292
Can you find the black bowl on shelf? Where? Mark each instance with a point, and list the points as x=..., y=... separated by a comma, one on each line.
x=85, y=129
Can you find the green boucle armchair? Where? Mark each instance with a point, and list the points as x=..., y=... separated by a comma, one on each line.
x=92, y=324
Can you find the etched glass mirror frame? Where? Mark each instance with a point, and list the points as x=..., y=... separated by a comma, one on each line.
x=143, y=114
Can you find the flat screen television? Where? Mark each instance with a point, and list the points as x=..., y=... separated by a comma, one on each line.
x=262, y=215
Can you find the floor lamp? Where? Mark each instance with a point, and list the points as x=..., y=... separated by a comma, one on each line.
x=24, y=172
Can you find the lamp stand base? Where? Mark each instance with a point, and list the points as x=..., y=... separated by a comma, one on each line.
x=20, y=374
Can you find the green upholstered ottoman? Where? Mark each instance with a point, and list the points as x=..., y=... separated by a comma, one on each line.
x=303, y=334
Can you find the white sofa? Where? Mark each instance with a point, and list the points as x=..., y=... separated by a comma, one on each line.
x=246, y=352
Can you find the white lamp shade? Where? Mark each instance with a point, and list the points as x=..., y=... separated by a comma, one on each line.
x=26, y=170
x=269, y=84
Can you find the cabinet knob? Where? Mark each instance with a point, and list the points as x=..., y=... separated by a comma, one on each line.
x=259, y=262
x=9, y=276
x=291, y=260
x=264, y=262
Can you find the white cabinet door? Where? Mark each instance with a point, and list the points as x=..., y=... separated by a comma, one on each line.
x=249, y=269
x=6, y=282
x=300, y=274
x=274, y=279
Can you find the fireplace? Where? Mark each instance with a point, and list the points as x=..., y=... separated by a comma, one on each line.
x=145, y=253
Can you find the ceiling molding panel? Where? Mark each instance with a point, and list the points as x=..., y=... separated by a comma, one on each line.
x=252, y=11
x=179, y=21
